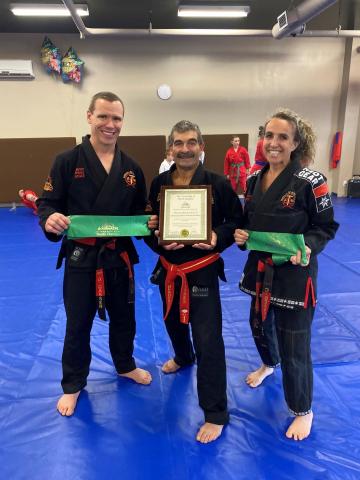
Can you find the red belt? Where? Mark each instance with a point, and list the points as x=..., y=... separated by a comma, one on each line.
x=100, y=279
x=264, y=277
x=181, y=271
x=309, y=289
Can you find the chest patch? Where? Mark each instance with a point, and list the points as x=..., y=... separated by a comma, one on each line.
x=79, y=173
x=130, y=178
x=288, y=200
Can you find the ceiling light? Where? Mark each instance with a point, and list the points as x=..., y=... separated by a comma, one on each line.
x=43, y=10
x=214, y=11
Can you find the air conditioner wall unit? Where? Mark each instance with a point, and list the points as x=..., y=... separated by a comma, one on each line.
x=16, y=70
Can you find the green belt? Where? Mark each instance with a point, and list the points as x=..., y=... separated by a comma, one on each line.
x=84, y=226
x=281, y=245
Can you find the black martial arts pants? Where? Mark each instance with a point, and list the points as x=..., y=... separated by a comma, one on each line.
x=80, y=307
x=284, y=337
x=206, y=329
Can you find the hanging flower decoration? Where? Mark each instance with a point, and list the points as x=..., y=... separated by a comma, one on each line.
x=71, y=67
x=50, y=56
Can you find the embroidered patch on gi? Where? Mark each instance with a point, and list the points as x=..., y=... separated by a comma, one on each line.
x=319, y=188
x=77, y=254
x=310, y=176
x=200, y=291
x=48, y=187
x=79, y=173
x=322, y=197
x=130, y=178
x=288, y=200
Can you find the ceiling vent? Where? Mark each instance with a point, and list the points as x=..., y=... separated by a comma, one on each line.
x=16, y=70
x=282, y=20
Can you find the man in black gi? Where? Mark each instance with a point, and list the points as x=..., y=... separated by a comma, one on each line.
x=199, y=265
x=95, y=178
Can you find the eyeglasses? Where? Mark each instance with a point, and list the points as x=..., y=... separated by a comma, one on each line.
x=189, y=144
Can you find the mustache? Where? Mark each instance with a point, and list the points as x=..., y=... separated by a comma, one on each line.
x=185, y=155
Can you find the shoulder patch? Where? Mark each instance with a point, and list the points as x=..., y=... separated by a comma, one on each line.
x=315, y=178
x=48, y=187
x=319, y=188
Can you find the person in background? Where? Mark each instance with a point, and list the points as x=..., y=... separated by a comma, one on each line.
x=286, y=196
x=237, y=165
x=28, y=199
x=167, y=162
x=260, y=159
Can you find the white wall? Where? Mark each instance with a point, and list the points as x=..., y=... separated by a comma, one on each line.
x=225, y=84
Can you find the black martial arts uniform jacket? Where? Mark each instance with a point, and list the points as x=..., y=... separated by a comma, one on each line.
x=226, y=215
x=297, y=201
x=79, y=185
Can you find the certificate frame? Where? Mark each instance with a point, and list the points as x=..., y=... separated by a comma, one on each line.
x=185, y=214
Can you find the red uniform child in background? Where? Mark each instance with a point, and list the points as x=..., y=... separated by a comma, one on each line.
x=237, y=165
x=28, y=198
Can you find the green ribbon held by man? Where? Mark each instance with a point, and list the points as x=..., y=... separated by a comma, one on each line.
x=282, y=246
x=85, y=226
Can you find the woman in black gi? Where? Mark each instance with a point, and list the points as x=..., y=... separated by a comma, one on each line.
x=286, y=197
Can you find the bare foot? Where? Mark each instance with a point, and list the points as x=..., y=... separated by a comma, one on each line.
x=138, y=375
x=170, y=366
x=300, y=427
x=67, y=403
x=254, y=379
x=209, y=432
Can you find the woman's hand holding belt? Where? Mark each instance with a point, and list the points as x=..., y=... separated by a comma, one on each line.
x=296, y=259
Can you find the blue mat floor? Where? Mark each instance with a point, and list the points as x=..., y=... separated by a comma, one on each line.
x=124, y=431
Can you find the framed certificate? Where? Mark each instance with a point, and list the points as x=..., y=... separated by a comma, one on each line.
x=185, y=214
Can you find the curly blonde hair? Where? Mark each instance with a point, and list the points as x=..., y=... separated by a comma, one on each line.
x=304, y=134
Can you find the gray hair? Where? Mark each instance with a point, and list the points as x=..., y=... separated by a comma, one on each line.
x=185, y=126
